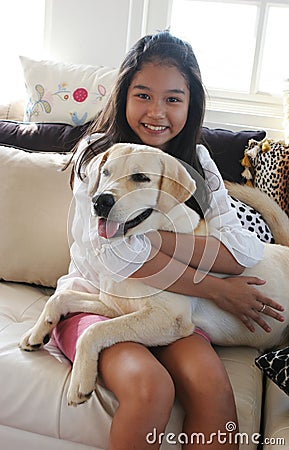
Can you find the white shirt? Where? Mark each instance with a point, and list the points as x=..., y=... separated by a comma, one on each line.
x=92, y=254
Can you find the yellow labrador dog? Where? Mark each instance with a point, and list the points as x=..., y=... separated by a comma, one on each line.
x=135, y=189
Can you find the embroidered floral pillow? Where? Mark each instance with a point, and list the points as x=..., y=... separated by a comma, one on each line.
x=67, y=93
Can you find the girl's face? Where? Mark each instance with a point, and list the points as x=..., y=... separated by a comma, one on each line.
x=157, y=104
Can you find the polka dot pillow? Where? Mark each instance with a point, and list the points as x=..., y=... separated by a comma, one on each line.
x=67, y=93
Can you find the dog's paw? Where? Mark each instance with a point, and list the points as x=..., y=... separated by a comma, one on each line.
x=83, y=379
x=76, y=396
x=81, y=388
x=31, y=341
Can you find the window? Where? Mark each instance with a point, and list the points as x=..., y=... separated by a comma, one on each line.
x=242, y=48
x=241, y=45
x=275, y=61
x=21, y=33
x=222, y=46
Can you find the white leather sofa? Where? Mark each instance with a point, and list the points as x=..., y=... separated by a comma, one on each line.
x=35, y=201
x=34, y=412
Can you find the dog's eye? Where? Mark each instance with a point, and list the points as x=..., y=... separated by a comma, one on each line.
x=105, y=172
x=140, y=178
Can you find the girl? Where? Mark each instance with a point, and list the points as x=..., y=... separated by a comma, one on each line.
x=158, y=100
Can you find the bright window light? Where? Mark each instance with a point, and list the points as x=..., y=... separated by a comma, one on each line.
x=223, y=38
x=21, y=33
x=241, y=45
x=275, y=64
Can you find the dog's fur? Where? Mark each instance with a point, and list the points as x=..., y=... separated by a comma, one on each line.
x=141, y=179
x=274, y=216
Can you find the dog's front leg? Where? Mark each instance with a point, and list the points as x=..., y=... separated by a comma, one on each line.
x=150, y=326
x=59, y=305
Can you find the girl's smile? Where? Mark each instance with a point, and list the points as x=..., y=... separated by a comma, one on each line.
x=157, y=103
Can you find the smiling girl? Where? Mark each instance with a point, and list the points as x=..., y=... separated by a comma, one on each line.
x=159, y=100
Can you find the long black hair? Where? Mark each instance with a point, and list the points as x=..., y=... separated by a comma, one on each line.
x=111, y=122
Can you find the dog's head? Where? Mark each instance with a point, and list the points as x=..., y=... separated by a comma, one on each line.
x=129, y=182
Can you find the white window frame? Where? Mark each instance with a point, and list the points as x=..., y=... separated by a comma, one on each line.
x=224, y=108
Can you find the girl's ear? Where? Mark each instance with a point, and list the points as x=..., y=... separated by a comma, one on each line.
x=176, y=185
x=93, y=171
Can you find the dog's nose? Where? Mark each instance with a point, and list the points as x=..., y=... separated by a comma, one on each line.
x=102, y=204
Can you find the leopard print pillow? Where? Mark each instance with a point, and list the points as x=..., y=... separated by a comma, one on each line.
x=267, y=168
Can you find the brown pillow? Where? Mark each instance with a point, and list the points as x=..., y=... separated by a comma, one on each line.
x=41, y=136
x=227, y=148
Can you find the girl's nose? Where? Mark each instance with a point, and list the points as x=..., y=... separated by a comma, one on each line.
x=156, y=111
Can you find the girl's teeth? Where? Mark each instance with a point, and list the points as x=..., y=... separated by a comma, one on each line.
x=154, y=128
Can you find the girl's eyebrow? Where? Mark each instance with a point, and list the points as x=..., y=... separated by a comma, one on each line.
x=170, y=91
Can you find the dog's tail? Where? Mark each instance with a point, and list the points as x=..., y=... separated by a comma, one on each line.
x=274, y=216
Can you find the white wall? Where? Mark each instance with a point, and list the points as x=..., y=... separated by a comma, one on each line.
x=87, y=31
x=100, y=31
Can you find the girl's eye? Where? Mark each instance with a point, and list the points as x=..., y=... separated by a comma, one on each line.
x=143, y=96
x=173, y=100
x=140, y=178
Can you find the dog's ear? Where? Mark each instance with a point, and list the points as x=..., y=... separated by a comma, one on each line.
x=93, y=170
x=176, y=184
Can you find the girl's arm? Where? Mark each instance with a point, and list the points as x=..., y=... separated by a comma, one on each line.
x=202, y=252
x=236, y=295
x=228, y=248
x=223, y=224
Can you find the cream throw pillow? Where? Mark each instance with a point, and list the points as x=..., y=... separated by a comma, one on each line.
x=68, y=93
x=35, y=198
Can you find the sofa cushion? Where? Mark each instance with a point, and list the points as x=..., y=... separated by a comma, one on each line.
x=35, y=198
x=61, y=92
x=275, y=421
x=34, y=399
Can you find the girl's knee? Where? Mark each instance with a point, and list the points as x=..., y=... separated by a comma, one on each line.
x=202, y=378
x=211, y=377
x=147, y=395
x=150, y=386
x=209, y=389
x=134, y=375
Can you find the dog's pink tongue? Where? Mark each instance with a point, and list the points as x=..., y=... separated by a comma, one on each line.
x=107, y=228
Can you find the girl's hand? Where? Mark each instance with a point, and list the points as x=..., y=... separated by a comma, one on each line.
x=239, y=297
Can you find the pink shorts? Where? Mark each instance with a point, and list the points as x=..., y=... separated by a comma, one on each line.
x=71, y=328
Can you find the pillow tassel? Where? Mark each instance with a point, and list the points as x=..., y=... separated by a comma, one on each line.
x=253, y=152
x=247, y=174
x=266, y=146
x=246, y=161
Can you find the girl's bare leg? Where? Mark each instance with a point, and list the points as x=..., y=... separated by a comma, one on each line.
x=145, y=392
x=204, y=390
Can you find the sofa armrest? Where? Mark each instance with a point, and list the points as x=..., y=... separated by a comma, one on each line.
x=13, y=110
